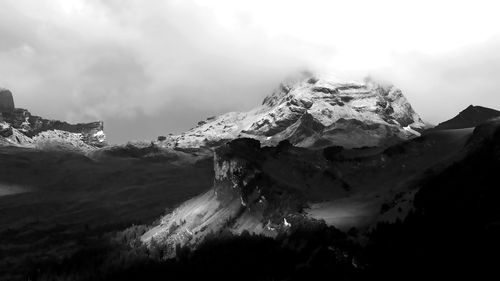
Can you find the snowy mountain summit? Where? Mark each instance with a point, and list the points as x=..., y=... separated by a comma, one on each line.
x=313, y=110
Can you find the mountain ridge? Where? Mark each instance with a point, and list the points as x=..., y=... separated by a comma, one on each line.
x=349, y=114
x=468, y=118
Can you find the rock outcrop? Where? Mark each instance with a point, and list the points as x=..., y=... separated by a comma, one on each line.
x=254, y=190
x=23, y=122
x=31, y=125
x=315, y=111
x=5, y=130
x=6, y=101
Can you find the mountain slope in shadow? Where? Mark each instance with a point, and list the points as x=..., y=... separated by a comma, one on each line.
x=468, y=118
x=453, y=231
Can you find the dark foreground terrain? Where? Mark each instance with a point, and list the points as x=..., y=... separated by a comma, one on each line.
x=54, y=201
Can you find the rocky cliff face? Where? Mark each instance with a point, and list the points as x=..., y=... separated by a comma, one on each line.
x=253, y=191
x=315, y=111
x=18, y=121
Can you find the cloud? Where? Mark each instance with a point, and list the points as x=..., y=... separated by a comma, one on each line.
x=107, y=58
x=148, y=68
x=439, y=86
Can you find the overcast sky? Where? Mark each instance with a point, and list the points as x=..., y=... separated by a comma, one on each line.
x=148, y=68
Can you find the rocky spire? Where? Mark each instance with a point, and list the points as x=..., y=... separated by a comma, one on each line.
x=6, y=101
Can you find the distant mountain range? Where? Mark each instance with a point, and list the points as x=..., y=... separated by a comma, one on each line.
x=309, y=110
x=19, y=127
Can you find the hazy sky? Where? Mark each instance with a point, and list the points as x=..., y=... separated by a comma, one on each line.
x=148, y=68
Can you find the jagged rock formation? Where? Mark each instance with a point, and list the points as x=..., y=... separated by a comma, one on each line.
x=31, y=125
x=12, y=136
x=468, y=118
x=17, y=121
x=315, y=111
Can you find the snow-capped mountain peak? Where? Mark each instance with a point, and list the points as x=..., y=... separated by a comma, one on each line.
x=315, y=111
